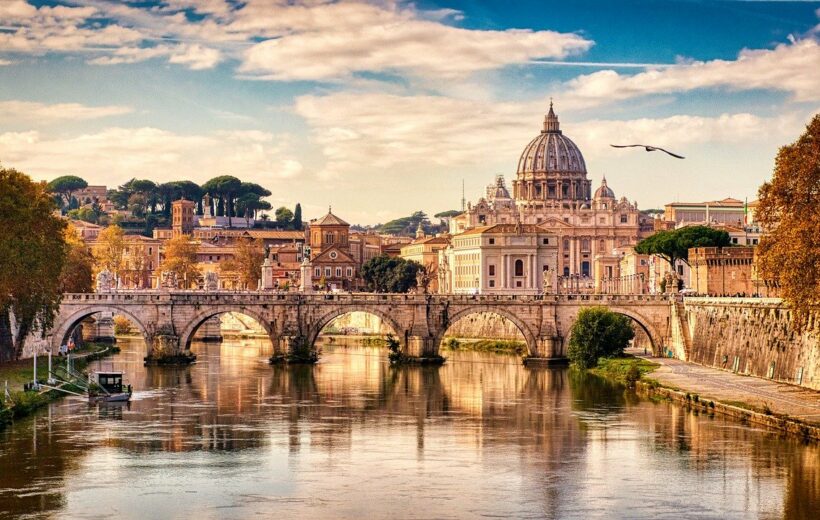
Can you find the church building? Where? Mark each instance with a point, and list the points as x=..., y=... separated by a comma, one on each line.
x=552, y=192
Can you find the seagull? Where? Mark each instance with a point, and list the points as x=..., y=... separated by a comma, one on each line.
x=647, y=148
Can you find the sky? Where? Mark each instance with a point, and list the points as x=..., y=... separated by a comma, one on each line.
x=384, y=108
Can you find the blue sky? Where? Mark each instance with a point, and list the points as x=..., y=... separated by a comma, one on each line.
x=383, y=108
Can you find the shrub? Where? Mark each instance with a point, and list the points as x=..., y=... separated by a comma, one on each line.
x=598, y=332
x=122, y=325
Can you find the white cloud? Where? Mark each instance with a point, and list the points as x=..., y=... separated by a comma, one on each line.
x=789, y=68
x=196, y=57
x=278, y=39
x=115, y=155
x=42, y=113
x=330, y=41
x=412, y=134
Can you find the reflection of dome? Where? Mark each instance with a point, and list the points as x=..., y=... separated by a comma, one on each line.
x=551, y=151
x=604, y=192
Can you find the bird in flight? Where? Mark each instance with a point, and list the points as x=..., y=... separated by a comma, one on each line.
x=647, y=148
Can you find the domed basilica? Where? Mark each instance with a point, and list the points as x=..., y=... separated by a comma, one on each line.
x=551, y=191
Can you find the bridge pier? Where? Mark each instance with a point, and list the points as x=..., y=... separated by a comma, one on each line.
x=293, y=349
x=164, y=349
x=548, y=351
x=422, y=350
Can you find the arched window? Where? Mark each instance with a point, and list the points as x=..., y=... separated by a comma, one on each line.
x=519, y=267
x=585, y=244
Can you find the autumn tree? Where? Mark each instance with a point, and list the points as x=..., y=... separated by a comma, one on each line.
x=246, y=263
x=109, y=251
x=78, y=270
x=32, y=254
x=180, y=258
x=789, y=252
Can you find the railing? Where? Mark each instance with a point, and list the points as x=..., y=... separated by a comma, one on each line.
x=267, y=297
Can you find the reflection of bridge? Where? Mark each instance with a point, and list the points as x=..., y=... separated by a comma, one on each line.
x=418, y=321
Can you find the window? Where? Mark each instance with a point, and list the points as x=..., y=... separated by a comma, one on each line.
x=601, y=245
x=317, y=272
x=329, y=238
x=327, y=271
x=624, y=219
x=492, y=270
x=566, y=244
x=518, y=283
x=545, y=268
x=150, y=250
x=338, y=272
x=492, y=283
x=519, y=267
x=545, y=241
x=492, y=241
x=585, y=244
x=350, y=272
x=585, y=268
x=566, y=270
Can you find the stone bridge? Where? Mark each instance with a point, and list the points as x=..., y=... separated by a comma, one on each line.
x=169, y=320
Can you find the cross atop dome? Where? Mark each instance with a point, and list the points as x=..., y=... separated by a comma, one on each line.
x=551, y=124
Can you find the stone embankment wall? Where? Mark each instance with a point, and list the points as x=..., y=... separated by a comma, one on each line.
x=751, y=336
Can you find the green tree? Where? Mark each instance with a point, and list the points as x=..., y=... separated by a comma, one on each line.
x=248, y=204
x=675, y=244
x=225, y=188
x=284, y=217
x=789, y=252
x=386, y=274
x=32, y=255
x=66, y=185
x=297, y=217
x=405, y=225
x=448, y=214
x=598, y=332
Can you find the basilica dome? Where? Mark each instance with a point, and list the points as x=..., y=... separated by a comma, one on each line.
x=551, y=152
x=604, y=191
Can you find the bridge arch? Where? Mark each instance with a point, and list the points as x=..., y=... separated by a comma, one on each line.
x=637, y=318
x=189, y=331
x=325, y=319
x=65, y=326
x=529, y=336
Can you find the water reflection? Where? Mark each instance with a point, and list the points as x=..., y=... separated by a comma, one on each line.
x=353, y=437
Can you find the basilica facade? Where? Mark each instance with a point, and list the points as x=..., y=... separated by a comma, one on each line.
x=552, y=194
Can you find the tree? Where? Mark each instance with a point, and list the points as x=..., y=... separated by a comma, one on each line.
x=32, y=254
x=598, y=332
x=246, y=263
x=789, y=253
x=674, y=245
x=448, y=214
x=297, y=217
x=78, y=270
x=386, y=274
x=66, y=185
x=248, y=204
x=109, y=249
x=284, y=217
x=226, y=188
x=180, y=258
x=405, y=225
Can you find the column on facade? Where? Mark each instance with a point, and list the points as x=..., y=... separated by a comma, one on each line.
x=572, y=269
x=503, y=271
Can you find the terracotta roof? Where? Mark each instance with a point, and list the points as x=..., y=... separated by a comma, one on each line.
x=330, y=220
x=429, y=240
x=728, y=201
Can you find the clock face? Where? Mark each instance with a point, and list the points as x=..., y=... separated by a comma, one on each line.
x=333, y=255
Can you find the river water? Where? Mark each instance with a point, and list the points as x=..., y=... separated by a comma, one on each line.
x=481, y=436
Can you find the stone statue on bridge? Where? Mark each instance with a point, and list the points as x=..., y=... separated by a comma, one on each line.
x=168, y=280
x=105, y=281
x=211, y=281
x=546, y=283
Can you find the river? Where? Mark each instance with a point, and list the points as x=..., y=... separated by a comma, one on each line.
x=352, y=437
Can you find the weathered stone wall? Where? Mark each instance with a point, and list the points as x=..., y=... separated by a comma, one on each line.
x=485, y=325
x=751, y=336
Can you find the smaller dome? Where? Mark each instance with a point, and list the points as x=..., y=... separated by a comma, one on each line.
x=604, y=192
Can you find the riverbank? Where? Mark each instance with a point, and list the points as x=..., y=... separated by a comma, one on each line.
x=21, y=373
x=750, y=399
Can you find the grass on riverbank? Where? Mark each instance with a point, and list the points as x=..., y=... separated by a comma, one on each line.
x=19, y=373
x=497, y=346
x=625, y=370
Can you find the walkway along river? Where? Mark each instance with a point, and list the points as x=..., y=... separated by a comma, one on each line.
x=352, y=437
